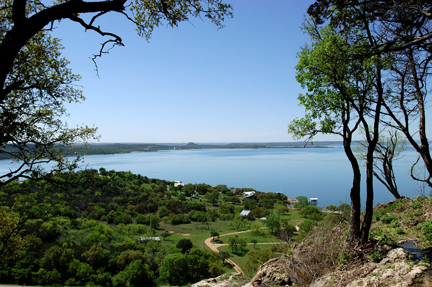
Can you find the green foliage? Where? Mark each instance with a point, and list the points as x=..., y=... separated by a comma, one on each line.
x=178, y=269
x=212, y=197
x=426, y=228
x=388, y=218
x=306, y=211
x=226, y=208
x=302, y=202
x=260, y=212
x=272, y=222
x=184, y=245
x=180, y=219
x=199, y=216
x=306, y=226
x=375, y=257
x=256, y=258
x=135, y=274
x=249, y=204
x=12, y=244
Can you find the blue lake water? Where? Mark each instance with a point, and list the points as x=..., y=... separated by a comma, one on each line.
x=324, y=173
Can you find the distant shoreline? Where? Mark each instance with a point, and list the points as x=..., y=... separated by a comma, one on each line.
x=123, y=148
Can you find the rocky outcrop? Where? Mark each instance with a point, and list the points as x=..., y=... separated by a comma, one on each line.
x=225, y=280
x=273, y=271
x=396, y=269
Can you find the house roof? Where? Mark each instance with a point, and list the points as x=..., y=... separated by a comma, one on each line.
x=149, y=238
x=247, y=193
x=245, y=213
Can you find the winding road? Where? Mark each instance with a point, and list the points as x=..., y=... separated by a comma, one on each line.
x=215, y=247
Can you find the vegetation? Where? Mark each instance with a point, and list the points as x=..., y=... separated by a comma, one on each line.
x=99, y=228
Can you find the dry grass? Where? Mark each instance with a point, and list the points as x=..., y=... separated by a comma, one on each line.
x=318, y=254
x=326, y=250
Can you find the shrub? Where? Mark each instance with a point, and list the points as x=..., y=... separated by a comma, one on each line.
x=179, y=219
x=387, y=218
x=376, y=257
x=426, y=227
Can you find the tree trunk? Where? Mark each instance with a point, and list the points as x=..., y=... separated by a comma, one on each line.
x=354, y=223
x=372, y=143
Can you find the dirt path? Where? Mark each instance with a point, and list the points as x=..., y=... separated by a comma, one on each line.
x=215, y=247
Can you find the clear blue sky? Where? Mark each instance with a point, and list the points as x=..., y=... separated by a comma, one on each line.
x=193, y=83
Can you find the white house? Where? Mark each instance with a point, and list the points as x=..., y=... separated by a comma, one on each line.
x=177, y=183
x=247, y=193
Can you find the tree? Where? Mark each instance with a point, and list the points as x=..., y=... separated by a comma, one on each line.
x=212, y=197
x=181, y=196
x=137, y=273
x=302, y=202
x=233, y=243
x=272, y=222
x=404, y=29
x=214, y=234
x=345, y=90
x=154, y=221
x=267, y=203
x=224, y=255
x=35, y=81
x=165, y=234
x=237, y=223
x=128, y=256
x=32, y=98
x=254, y=241
x=12, y=245
x=172, y=269
x=388, y=149
x=185, y=245
x=242, y=243
x=305, y=212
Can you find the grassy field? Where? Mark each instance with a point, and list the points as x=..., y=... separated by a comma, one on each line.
x=197, y=232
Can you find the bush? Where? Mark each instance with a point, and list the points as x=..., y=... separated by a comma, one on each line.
x=426, y=227
x=255, y=258
x=179, y=219
x=387, y=218
x=305, y=212
x=376, y=257
x=199, y=216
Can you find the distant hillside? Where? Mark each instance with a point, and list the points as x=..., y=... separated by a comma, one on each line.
x=118, y=148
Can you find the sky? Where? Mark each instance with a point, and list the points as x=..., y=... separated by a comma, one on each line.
x=192, y=83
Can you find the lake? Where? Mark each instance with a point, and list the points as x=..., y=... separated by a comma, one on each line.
x=324, y=173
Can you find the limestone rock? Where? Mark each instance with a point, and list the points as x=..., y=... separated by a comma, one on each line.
x=272, y=271
x=225, y=280
x=394, y=270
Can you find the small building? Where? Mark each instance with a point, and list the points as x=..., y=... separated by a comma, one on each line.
x=145, y=239
x=177, y=183
x=247, y=214
x=247, y=193
x=313, y=200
